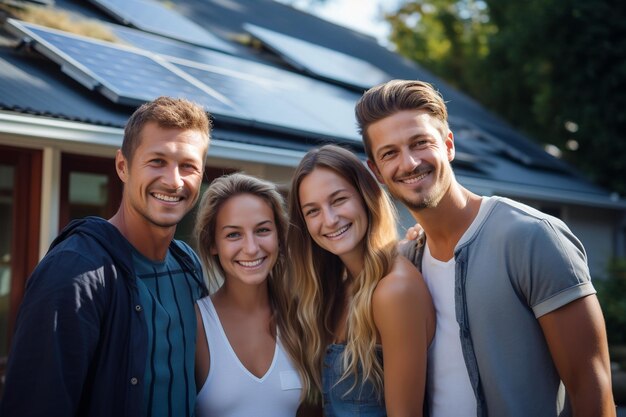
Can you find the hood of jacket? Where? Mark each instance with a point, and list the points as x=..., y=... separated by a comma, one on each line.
x=103, y=232
x=118, y=248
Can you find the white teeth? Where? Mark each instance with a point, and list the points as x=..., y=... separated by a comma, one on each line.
x=166, y=197
x=251, y=264
x=414, y=179
x=338, y=232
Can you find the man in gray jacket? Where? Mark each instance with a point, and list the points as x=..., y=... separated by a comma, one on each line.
x=519, y=328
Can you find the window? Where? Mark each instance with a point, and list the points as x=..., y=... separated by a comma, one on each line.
x=89, y=187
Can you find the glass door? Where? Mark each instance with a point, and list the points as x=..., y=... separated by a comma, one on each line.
x=7, y=208
x=20, y=200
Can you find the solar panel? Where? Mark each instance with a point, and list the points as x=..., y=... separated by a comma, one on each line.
x=154, y=17
x=274, y=102
x=326, y=104
x=479, y=140
x=122, y=74
x=160, y=45
x=244, y=91
x=172, y=48
x=320, y=61
x=336, y=110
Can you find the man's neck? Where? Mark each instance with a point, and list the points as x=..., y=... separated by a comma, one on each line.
x=445, y=224
x=149, y=240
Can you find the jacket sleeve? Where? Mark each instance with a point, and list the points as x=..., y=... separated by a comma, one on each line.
x=56, y=335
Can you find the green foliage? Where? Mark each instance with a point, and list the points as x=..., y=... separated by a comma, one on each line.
x=447, y=37
x=612, y=296
x=556, y=69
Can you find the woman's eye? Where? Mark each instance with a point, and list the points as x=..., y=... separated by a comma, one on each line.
x=310, y=212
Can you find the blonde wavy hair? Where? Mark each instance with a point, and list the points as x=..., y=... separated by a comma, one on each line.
x=318, y=284
x=220, y=191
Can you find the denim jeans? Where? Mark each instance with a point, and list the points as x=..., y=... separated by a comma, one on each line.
x=339, y=400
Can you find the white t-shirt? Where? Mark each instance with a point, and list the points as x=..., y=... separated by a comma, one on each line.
x=449, y=390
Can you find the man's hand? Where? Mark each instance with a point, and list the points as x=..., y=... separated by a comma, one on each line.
x=413, y=232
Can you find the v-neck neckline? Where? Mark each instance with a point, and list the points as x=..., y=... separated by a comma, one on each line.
x=234, y=354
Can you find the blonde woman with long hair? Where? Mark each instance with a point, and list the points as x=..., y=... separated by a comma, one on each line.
x=242, y=367
x=359, y=304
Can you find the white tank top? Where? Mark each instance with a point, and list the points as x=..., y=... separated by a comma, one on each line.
x=230, y=390
x=448, y=386
x=449, y=389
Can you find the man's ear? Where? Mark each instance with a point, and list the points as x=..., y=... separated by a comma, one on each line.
x=372, y=166
x=121, y=166
x=450, y=149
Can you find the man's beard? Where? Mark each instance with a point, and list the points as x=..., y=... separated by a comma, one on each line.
x=429, y=198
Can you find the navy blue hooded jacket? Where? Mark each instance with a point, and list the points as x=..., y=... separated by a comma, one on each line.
x=80, y=341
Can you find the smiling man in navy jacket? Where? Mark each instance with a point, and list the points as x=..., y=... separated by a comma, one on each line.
x=107, y=324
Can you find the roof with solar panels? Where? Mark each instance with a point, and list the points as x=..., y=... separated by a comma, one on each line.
x=269, y=75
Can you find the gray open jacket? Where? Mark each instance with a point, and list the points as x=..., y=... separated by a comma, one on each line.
x=513, y=265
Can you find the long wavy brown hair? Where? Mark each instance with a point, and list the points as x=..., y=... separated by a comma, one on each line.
x=317, y=275
x=220, y=191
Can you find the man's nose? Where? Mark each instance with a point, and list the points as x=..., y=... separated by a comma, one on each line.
x=172, y=179
x=409, y=161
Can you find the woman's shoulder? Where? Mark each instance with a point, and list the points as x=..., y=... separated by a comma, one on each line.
x=401, y=298
x=402, y=282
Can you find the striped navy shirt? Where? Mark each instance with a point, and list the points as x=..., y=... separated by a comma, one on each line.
x=168, y=294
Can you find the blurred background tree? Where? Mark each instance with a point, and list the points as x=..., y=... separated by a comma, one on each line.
x=612, y=295
x=556, y=69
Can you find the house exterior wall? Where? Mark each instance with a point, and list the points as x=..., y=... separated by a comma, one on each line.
x=598, y=230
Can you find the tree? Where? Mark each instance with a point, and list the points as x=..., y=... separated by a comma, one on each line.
x=448, y=37
x=553, y=68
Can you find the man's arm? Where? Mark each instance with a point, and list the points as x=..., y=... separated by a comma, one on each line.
x=576, y=336
x=57, y=330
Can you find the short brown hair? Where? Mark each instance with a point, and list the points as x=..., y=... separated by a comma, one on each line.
x=394, y=96
x=167, y=112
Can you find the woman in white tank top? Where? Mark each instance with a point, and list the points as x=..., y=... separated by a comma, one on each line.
x=246, y=357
